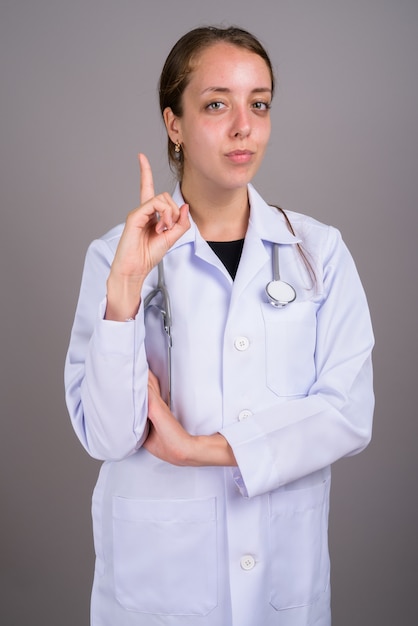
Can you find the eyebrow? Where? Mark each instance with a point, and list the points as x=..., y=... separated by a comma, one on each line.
x=227, y=90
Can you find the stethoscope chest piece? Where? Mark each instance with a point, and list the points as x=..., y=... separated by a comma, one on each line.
x=280, y=293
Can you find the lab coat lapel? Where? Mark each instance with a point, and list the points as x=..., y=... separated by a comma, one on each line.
x=265, y=225
x=254, y=257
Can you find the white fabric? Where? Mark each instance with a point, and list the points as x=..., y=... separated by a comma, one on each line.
x=292, y=396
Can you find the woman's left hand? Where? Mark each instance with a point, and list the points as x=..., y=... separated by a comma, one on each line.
x=167, y=438
x=169, y=441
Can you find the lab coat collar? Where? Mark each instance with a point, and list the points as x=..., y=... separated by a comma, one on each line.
x=263, y=222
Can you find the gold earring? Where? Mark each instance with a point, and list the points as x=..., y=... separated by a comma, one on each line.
x=177, y=147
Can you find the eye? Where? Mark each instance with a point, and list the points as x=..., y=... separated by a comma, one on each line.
x=215, y=106
x=262, y=106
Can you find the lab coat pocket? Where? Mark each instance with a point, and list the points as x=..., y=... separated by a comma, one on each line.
x=290, y=337
x=299, y=545
x=165, y=555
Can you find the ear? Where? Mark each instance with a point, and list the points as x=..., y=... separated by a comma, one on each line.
x=173, y=125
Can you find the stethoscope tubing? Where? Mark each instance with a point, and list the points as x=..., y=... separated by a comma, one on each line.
x=165, y=311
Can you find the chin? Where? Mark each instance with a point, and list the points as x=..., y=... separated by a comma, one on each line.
x=239, y=181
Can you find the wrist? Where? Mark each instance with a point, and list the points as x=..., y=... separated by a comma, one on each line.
x=123, y=299
x=211, y=450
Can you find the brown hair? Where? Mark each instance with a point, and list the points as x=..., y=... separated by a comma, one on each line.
x=302, y=252
x=179, y=65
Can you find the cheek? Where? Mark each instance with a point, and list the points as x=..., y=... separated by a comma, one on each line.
x=265, y=130
x=263, y=138
x=195, y=147
x=202, y=138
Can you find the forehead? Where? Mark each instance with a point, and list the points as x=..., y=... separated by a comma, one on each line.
x=223, y=63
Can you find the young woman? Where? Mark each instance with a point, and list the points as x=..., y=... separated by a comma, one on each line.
x=217, y=415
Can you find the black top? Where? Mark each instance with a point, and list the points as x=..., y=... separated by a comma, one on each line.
x=229, y=252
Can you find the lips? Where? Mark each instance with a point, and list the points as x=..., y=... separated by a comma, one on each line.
x=240, y=156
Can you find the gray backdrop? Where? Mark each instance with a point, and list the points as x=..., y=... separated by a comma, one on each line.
x=78, y=101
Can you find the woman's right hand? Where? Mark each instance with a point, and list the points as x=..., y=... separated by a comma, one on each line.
x=150, y=230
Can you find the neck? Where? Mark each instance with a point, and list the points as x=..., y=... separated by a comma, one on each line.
x=220, y=216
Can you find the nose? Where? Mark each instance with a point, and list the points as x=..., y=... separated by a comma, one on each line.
x=241, y=126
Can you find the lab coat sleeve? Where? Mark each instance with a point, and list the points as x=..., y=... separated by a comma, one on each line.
x=301, y=435
x=106, y=370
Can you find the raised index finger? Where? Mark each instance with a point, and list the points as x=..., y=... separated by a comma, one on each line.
x=146, y=189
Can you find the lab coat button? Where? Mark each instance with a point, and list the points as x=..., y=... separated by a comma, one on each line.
x=247, y=562
x=244, y=415
x=241, y=343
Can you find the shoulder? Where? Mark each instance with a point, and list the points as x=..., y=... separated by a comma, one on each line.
x=311, y=231
x=111, y=238
x=109, y=241
x=322, y=244
x=304, y=223
x=101, y=251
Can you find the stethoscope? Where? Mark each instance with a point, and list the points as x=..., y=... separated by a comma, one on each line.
x=165, y=310
x=279, y=294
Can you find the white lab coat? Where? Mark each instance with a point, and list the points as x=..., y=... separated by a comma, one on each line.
x=290, y=389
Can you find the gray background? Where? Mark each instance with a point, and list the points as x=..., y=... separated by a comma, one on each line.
x=77, y=102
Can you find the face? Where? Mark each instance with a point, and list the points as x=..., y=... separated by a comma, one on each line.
x=225, y=124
